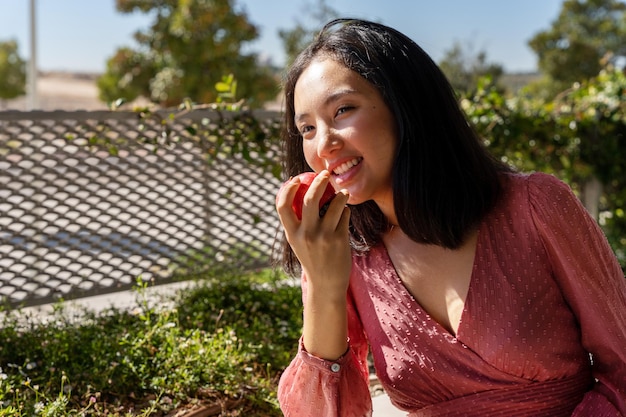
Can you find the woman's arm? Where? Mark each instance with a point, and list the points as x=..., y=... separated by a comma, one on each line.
x=325, y=324
x=312, y=386
x=593, y=283
x=322, y=245
x=326, y=374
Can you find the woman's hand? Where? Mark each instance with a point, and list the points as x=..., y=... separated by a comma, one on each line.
x=321, y=243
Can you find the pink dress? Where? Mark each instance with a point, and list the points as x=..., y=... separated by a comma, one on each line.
x=546, y=294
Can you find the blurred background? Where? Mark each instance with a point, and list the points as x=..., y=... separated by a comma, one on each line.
x=543, y=81
x=86, y=55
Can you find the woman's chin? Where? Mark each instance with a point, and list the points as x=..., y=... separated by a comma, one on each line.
x=354, y=200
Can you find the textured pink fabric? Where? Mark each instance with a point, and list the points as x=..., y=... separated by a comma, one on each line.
x=546, y=293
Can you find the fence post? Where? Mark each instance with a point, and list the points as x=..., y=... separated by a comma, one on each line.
x=592, y=191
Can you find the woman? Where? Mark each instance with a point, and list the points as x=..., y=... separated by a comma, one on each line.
x=479, y=291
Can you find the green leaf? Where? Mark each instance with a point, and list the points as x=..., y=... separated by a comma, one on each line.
x=222, y=87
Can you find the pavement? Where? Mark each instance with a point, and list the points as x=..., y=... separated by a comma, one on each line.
x=383, y=407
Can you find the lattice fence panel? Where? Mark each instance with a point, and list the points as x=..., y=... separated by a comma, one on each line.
x=79, y=220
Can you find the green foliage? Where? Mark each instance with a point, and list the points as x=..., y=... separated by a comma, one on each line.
x=128, y=72
x=585, y=33
x=579, y=135
x=12, y=71
x=229, y=129
x=223, y=341
x=595, y=112
x=188, y=47
x=265, y=311
x=227, y=90
x=524, y=133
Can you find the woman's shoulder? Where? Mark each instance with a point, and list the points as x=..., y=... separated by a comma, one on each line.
x=534, y=186
x=525, y=195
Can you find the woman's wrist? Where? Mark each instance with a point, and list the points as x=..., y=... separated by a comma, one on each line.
x=325, y=332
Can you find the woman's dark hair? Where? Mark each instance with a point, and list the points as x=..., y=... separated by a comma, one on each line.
x=444, y=179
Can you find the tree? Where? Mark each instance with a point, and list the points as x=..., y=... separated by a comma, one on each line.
x=189, y=47
x=12, y=71
x=128, y=75
x=296, y=39
x=464, y=68
x=579, y=136
x=586, y=33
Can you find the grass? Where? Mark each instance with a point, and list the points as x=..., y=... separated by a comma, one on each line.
x=220, y=344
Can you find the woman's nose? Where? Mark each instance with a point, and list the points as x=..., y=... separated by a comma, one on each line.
x=328, y=142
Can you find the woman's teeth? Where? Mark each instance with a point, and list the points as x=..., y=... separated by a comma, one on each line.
x=346, y=166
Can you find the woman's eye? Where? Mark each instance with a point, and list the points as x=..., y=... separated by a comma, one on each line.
x=344, y=109
x=305, y=129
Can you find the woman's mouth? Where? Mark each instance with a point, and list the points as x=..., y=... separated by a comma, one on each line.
x=345, y=167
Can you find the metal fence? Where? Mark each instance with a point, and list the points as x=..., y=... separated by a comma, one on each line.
x=87, y=206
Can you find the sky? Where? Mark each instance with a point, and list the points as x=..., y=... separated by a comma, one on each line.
x=80, y=35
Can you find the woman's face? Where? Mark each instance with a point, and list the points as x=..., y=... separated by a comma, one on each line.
x=347, y=129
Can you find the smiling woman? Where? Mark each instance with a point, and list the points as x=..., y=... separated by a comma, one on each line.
x=347, y=129
x=476, y=289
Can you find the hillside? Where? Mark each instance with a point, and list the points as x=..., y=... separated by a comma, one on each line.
x=62, y=91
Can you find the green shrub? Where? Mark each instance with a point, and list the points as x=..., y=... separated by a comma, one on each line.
x=222, y=341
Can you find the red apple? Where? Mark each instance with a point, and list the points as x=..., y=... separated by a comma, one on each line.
x=306, y=179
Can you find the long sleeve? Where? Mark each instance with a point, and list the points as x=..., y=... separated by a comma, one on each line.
x=593, y=284
x=313, y=387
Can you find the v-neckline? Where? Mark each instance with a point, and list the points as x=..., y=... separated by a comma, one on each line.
x=454, y=336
